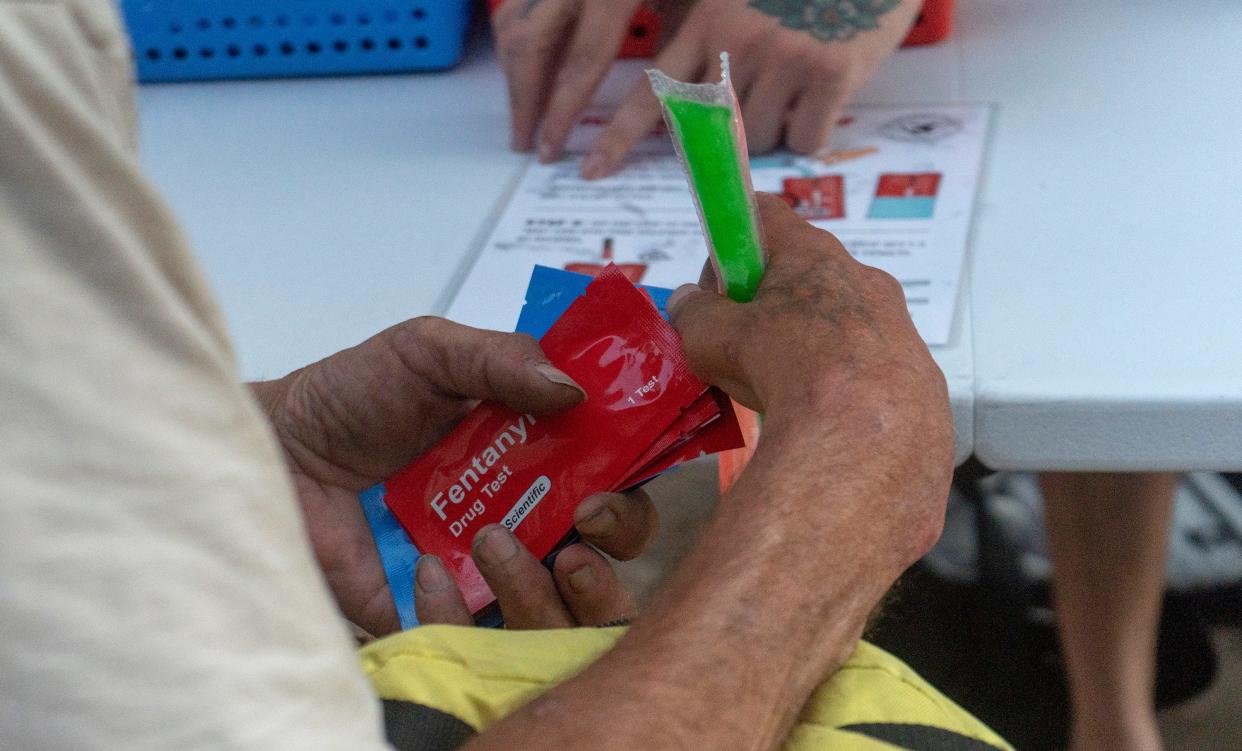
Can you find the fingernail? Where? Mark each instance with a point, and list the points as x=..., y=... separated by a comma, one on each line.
x=582, y=580
x=430, y=576
x=557, y=376
x=680, y=294
x=547, y=154
x=594, y=166
x=494, y=546
x=595, y=518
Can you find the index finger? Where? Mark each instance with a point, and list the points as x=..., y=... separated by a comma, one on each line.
x=640, y=110
x=436, y=597
x=597, y=39
x=527, y=39
x=620, y=524
x=524, y=589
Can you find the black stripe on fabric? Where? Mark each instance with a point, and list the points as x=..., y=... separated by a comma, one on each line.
x=415, y=727
x=914, y=737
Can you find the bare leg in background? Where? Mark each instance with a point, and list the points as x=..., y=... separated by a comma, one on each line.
x=1108, y=534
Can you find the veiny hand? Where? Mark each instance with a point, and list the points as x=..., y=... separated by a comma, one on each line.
x=355, y=418
x=581, y=590
x=795, y=64
x=846, y=488
x=828, y=352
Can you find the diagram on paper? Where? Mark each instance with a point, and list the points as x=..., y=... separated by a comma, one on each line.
x=896, y=186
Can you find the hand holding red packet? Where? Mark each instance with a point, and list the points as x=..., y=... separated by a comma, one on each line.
x=644, y=412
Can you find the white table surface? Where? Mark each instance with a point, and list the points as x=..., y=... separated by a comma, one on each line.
x=326, y=210
x=1107, y=256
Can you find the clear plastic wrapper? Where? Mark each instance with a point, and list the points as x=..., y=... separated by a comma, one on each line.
x=707, y=132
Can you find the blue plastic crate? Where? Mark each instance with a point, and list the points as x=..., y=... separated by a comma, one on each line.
x=180, y=40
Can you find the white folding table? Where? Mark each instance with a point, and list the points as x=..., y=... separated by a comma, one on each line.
x=1100, y=325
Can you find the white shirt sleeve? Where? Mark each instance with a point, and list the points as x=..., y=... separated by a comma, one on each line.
x=157, y=590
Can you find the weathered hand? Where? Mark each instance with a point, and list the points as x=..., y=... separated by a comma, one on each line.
x=828, y=352
x=355, y=418
x=795, y=64
x=846, y=488
x=581, y=590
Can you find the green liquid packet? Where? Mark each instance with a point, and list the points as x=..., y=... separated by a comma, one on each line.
x=707, y=132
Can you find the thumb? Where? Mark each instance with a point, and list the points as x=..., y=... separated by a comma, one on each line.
x=488, y=365
x=708, y=323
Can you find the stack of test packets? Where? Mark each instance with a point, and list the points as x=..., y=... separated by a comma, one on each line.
x=645, y=412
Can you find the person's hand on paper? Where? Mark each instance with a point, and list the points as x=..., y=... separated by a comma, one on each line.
x=795, y=66
x=581, y=590
x=353, y=419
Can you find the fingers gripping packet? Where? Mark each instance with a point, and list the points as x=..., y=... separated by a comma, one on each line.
x=707, y=132
x=709, y=426
x=529, y=473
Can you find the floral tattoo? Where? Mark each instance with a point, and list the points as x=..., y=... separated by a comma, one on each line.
x=827, y=20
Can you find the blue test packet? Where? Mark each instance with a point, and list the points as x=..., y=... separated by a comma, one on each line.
x=549, y=294
x=551, y=291
x=397, y=552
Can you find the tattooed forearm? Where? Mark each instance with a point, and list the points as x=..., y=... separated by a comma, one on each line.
x=827, y=20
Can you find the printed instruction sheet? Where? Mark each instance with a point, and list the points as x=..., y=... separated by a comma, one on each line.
x=897, y=186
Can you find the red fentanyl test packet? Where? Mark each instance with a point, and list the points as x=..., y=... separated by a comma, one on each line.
x=530, y=473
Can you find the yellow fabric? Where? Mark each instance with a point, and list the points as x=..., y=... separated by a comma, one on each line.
x=480, y=675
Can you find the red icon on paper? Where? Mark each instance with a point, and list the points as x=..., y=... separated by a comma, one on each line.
x=633, y=271
x=912, y=185
x=820, y=197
